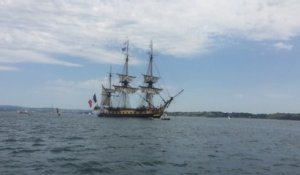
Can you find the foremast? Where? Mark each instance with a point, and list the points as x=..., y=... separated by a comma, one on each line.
x=125, y=79
x=149, y=89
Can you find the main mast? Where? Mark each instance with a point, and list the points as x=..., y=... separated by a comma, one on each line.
x=125, y=79
x=149, y=79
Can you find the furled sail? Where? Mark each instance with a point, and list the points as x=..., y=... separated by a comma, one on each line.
x=149, y=78
x=127, y=78
x=150, y=90
x=125, y=89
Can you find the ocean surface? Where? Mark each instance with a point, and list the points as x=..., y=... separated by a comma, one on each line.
x=85, y=144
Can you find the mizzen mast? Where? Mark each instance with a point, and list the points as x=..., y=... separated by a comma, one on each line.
x=107, y=93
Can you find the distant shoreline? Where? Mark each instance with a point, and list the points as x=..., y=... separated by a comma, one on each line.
x=10, y=108
x=216, y=114
x=211, y=114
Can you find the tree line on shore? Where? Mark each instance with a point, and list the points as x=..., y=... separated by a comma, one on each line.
x=210, y=114
x=216, y=114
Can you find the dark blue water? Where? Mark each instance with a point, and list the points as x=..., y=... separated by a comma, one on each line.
x=78, y=144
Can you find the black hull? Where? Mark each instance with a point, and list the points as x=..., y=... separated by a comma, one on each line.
x=125, y=113
x=131, y=115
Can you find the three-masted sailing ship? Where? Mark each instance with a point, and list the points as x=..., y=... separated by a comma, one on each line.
x=121, y=107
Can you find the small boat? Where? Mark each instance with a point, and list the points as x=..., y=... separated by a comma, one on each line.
x=24, y=112
x=165, y=117
x=58, y=112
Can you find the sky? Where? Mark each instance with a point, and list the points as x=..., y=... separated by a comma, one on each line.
x=231, y=56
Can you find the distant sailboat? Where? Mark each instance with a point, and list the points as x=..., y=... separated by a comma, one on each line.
x=58, y=112
x=24, y=112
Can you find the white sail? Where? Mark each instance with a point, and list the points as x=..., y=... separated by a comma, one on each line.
x=107, y=90
x=150, y=90
x=127, y=78
x=125, y=89
x=106, y=96
x=149, y=78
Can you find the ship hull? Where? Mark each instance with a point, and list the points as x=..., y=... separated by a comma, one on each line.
x=136, y=113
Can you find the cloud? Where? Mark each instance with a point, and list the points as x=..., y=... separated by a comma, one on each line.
x=283, y=46
x=239, y=96
x=61, y=85
x=60, y=93
x=8, y=68
x=66, y=93
x=29, y=56
x=279, y=96
x=94, y=30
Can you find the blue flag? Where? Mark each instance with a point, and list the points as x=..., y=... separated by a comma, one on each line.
x=94, y=98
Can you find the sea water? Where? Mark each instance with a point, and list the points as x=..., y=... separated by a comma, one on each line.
x=44, y=143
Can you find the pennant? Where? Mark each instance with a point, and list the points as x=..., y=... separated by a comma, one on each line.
x=125, y=44
x=90, y=103
x=95, y=98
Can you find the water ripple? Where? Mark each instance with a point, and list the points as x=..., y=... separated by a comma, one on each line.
x=61, y=149
x=76, y=144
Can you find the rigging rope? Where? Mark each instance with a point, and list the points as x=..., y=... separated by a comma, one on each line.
x=161, y=79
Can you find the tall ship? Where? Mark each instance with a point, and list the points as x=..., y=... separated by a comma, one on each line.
x=115, y=100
